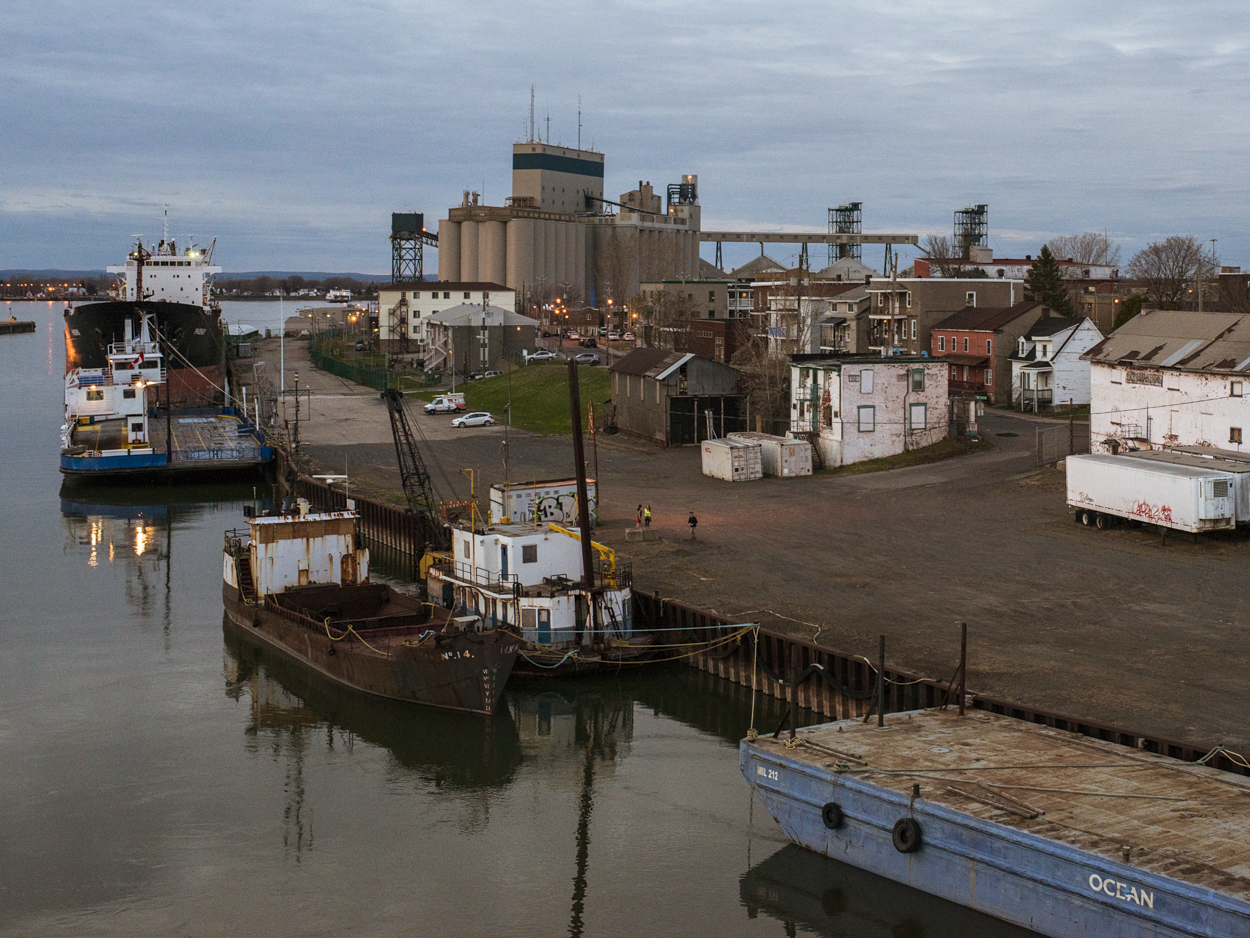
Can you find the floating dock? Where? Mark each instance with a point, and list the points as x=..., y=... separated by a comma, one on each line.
x=14, y=326
x=1050, y=830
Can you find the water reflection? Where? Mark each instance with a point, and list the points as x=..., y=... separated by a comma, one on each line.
x=813, y=894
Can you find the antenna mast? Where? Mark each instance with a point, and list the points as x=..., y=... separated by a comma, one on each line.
x=531, y=140
x=579, y=122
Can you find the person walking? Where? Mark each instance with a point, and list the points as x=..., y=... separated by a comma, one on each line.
x=638, y=522
x=646, y=517
x=694, y=523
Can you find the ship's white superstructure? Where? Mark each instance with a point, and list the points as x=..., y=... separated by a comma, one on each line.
x=165, y=276
x=120, y=389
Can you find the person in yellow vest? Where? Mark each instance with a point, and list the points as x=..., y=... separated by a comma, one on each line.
x=646, y=517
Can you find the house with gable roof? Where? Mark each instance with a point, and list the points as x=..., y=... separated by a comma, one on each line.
x=1047, y=367
x=666, y=397
x=1171, y=378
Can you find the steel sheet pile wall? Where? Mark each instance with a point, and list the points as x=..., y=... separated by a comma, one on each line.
x=904, y=690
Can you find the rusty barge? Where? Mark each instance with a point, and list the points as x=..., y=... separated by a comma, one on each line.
x=299, y=583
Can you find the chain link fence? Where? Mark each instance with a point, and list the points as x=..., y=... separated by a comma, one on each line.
x=1054, y=443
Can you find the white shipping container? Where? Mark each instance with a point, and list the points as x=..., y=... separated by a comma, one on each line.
x=732, y=460
x=782, y=457
x=556, y=501
x=1183, y=498
x=1238, y=468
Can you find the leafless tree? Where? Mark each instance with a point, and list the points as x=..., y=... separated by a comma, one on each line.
x=943, y=252
x=1171, y=270
x=1092, y=247
x=664, y=321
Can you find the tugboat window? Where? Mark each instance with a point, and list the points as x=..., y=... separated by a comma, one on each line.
x=529, y=553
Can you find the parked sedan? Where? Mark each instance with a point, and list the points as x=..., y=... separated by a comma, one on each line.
x=476, y=419
x=542, y=355
x=586, y=358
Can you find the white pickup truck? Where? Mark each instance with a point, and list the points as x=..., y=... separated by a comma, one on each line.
x=446, y=404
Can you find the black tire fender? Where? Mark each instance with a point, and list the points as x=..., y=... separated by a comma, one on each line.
x=906, y=835
x=831, y=814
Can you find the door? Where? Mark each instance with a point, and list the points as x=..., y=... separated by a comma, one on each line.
x=503, y=561
x=544, y=626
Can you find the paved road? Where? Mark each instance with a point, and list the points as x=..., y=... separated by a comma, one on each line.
x=1109, y=625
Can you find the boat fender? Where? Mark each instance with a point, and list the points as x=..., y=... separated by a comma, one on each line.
x=906, y=835
x=831, y=814
x=256, y=622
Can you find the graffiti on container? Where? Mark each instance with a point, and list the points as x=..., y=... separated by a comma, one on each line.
x=1161, y=514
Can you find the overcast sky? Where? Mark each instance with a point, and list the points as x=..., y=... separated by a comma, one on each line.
x=290, y=131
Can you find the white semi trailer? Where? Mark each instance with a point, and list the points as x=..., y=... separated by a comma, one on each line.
x=1182, y=498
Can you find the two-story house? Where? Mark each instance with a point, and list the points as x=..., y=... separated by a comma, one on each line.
x=1047, y=367
x=977, y=343
x=865, y=407
x=407, y=306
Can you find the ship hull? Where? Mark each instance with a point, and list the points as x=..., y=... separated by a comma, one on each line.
x=196, y=360
x=463, y=671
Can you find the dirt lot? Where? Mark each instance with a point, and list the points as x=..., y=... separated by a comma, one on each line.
x=1108, y=625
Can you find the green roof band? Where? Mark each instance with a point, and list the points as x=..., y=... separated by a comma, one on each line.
x=557, y=164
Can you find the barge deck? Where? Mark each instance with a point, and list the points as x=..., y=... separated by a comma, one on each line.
x=1047, y=829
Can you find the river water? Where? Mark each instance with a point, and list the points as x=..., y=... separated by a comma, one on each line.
x=163, y=777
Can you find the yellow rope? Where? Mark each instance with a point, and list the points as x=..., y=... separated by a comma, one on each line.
x=752, y=733
x=352, y=631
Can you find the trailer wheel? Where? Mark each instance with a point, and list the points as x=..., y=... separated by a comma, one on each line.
x=831, y=814
x=906, y=835
x=1103, y=522
x=1087, y=518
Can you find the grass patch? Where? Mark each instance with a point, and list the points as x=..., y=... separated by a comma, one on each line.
x=938, y=451
x=540, y=395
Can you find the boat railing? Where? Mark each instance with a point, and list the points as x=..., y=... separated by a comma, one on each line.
x=489, y=579
x=238, y=541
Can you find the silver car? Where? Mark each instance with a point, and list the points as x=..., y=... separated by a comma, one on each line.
x=477, y=419
x=586, y=358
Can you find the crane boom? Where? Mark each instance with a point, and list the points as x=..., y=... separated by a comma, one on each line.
x=418, y=489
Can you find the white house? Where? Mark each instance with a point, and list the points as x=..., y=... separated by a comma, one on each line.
x=409, y=305
x=866, y=407
x=1171, y=378
x=1047, y=366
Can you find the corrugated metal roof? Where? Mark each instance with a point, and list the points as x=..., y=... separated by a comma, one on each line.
x=670, y=367
x=986, y=318
x=1178, y=339
x=640, y=361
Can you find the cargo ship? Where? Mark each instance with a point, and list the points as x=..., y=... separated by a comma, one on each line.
x=173, y=290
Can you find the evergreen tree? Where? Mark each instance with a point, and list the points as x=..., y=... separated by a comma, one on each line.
x=1045, y=283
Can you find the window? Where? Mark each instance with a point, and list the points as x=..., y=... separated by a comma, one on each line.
x=711, y=296
x=909, y=302
x=446, y=295
x=971, y=298
x=1234, y=389
x=941, y=343
x=918, y=413
x=466, y=295
x=965, y=343
x=867, y=418
x=989, y=376
x=128, y=393
x=865, y=381
x=1234, y=434
x=913, y=327
x=95, y=395
x=529, y=553
x=989, y=346
x=917, y=379
x=467, y=550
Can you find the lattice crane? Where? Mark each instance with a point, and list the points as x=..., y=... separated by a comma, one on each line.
x=418, y=488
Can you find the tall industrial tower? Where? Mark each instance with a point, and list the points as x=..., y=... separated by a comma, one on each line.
x=408, y=236
x=972, y=229
x=847, y=219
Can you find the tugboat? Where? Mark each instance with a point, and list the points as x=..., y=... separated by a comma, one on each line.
x=526, y=578
x=298, y=582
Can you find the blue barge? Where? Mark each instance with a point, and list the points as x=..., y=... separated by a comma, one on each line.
x=1062, y=834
